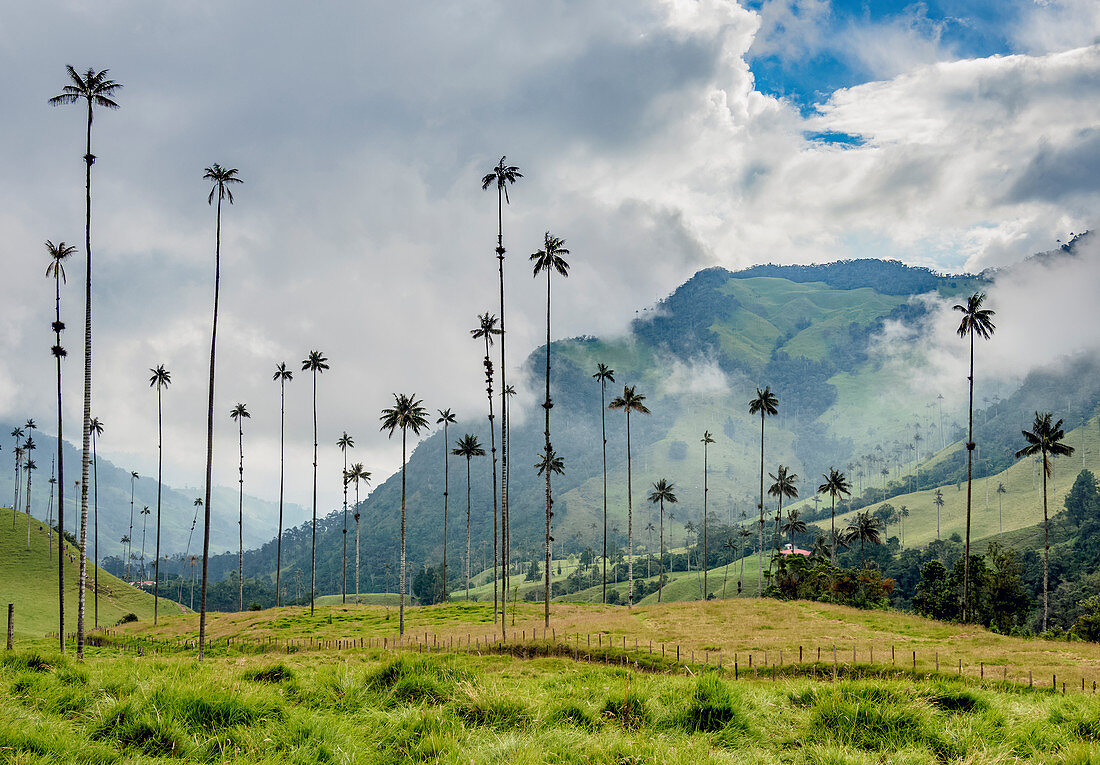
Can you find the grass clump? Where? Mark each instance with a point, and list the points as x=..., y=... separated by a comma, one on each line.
x=854, y=720
x=630, y=711
x=416, y=680
x=1081, y=718
x=952, y=698
x=31, y=661
x=572, y=714
x=131, y=726
x=274, y=674
x=712, y=707
x=494, y=712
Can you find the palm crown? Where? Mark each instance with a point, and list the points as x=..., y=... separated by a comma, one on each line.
x=161, y=377
x=764, y=403
x=604, y=373
x=1045, y=438
x=784, y=485
x=501, y=176
x=836, y=484
x=356, y=473
x=222, y=178
x=630, y=401
x=468, y=446
x=549, y=258
x=663, y=491
x=282, y=373
x=315, y=362
x=487, y=327
x=345, y=442
x=407, y=413
x=976, y=320
x=549, y=461
x=58, y=254
x=238, y=412
x=446, y=417
x=94, y=87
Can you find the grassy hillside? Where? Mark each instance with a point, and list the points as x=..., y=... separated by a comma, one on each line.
x=1019, y=508
x=28, y=578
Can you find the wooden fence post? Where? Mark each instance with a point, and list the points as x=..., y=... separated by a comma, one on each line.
x=11, y=625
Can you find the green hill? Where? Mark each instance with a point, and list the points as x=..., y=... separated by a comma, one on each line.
x=28, y=578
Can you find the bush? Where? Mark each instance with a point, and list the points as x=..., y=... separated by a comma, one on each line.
x=130, y=617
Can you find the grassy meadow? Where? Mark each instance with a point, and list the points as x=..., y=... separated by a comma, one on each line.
x=28, y=578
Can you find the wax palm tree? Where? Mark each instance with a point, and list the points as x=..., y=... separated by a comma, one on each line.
x=706, y=440
x=407, y=413
x=145, y=512
x=194, y=521
x=59, y=253
x=97, y=430
x=130, y=535
x=1045, y=439
x=315, y=362
x=663, y=491
x=604, y=374
x=96, y=89
x=937, y=500
x=1001, y=491
x=630, y=401
x=357, y=474
x=548, y=463
x=903, y=513
x=486, y=329
x=864, y=527
x=502, y=176
x=649, y=529
x=446, y=418
x=975, y=321
x=30, y=467
x=744, y=532
x=730, y=545
x=17, y=454
x=689, y=529
x=239, y=413
x=468, y=447
x=794, y=525
x=223, y=179
x=765, y=404
x=783, y=487
x=345, y=442
x=548, y=260
x=836, y=486
x=161, y=379
x=281, y=376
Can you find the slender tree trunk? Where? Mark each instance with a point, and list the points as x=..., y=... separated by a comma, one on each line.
x=28, y=509
x=160, y=463
x=760, y=573
x=95, y=519
x=240, y=514
x=504, y=517
x=344, y=563
x=130, y=537
x=629, y=522
x=209, y=439
x=832, y=526
x=1046, y=548
x=402, y=617
x=969, y=480
x=603, y=433
x=313, y=544
x=706, y=491
x=493, y=450
x=549, y=498
x=661, y=566
x=282, y=442
x=468, y=528
x=446, y=493
x=60, y=453
x=357, y=542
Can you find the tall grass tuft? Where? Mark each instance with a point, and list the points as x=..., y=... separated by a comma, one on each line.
x=713, y=707
x=274, y=674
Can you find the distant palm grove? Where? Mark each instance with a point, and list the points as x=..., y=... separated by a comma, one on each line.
x=773, y=493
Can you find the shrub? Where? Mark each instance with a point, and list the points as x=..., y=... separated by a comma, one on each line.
x=130, y=617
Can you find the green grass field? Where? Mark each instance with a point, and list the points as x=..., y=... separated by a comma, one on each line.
x=407, y=705
x=28, y=578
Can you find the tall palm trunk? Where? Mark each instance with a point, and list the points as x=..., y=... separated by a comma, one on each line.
x=778, y=532
x=832, y=526
x=85, y=448
x=1046, y=548
x=446, y=493
x=760, y=551
x=493, y=451
x=547, y=405
x=504, y=518
x=706, y=490
x=468, y=527
x=344, y=562
x=160, y=462
x=28, y=509
x=282, y=455
x=240, y=515
x=603, y=434
x=95, y=519
x=661, y=566
x=210, y=436
x=356, y=542
x=313, y=542
x=130, y=537
x=629, y=522
x=402, y=586
x=60, y=443
x=969, y=479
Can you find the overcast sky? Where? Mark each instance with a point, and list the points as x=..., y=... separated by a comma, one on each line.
x=657, y=137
